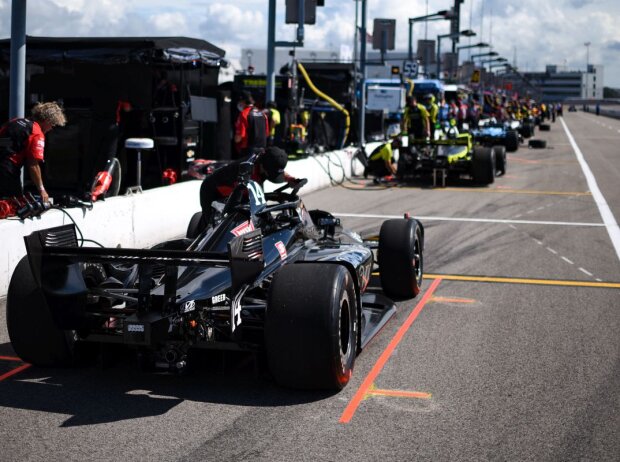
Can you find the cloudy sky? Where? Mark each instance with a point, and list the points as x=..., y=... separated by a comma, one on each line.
x=536, y=31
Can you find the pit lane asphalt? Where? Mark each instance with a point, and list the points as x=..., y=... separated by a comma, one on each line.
x=514, y=371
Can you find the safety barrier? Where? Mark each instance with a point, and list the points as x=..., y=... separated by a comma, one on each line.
x=144, y=219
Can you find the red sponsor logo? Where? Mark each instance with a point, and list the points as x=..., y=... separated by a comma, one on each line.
x=243, y=228
x=281, y=250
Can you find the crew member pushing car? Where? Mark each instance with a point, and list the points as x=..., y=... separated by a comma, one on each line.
x=221, y=183
x=22, y=141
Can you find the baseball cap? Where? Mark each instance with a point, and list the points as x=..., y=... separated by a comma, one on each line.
x=274, y=161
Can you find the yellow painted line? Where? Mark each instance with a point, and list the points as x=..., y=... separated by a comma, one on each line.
x=452, y=300
x=400, y=393
x=542, y=282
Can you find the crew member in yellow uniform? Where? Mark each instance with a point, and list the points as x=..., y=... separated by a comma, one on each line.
x=416, y=120
x=381, y=161
x=433, y=111
x=274, y=118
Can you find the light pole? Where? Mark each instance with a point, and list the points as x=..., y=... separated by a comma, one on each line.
x=465, y=47
x=464, y=33
x=442, y=14
x=587, y=45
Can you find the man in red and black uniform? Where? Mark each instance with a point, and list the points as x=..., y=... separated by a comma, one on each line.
x=251, y=127
x=221, y=183
x=22, y=141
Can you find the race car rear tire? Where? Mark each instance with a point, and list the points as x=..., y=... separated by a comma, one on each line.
x=400, y=257
x=512, y=141
x=544, y=127
x=196, y=225
x=33, y=334
x=500, y=159
x=483, y=168
x=537, y=144
x=311, y=326
x=527, y=131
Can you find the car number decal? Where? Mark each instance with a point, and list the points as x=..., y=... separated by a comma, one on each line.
x=243, y=228
x=281, y=250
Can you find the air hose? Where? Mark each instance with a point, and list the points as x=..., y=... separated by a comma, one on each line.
x=330, y=100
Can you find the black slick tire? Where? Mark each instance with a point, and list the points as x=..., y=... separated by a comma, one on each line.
x=400, y=257
x=512, y=141
x=483, y=166
x=537, y=144
x=311, y=326
x=33, y=334
x=527, y=130
x=544, y=127
x=196, y=225
x=500, y=159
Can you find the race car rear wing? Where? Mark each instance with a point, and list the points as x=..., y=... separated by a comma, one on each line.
x=54, y=257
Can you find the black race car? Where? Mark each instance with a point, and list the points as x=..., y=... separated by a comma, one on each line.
x=269, y=276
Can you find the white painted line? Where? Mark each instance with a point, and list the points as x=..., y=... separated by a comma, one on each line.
x=567, y=261
x=585, y=271
x=541, y=208
x=552, y=251
x=601, y=203
x=472, y=220
x=599, y=280
x=538, y=242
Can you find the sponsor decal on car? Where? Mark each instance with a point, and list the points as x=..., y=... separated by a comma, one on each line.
x=189, y=306
x=218, y=299
x=135, y=328
x=243, y=228
x=281, y=250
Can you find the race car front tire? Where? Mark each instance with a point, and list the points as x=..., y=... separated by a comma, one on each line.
x=196, y=225
x=500, y=158
x=483, y=168
x=527, y=131
x=400, y=258
x=311, y=326
x=512, y=141
x=33, y=334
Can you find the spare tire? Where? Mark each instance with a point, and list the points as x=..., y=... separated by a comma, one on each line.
x=537, y=144
x=544, y=127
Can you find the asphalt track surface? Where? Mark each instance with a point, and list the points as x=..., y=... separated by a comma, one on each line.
x=511, y=352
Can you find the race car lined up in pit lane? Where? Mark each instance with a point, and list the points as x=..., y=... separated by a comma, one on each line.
x=456, y=157
x=490, y=133
x=269, y=276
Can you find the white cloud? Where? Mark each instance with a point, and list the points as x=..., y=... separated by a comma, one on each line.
x=543, y=31
x=168, y=23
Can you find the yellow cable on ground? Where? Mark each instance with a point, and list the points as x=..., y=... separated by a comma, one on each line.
x=327, y=98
